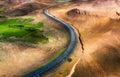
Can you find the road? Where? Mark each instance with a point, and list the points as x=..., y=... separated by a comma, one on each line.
x=71, y=45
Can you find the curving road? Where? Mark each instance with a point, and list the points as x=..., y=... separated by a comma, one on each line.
x=70, y=47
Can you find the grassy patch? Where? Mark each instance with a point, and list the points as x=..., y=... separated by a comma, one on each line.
x=22, y=29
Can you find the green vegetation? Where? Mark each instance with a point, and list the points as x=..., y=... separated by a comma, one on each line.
x=60, y=73
x=69, y=59
x=21, y=29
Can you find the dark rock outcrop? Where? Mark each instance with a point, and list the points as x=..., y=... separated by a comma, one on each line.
x=76, y=12
x=118, y=13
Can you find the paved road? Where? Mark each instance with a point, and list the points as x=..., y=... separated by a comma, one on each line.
x=70, y=47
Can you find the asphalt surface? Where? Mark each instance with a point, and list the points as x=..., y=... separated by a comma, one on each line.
x=71, y=45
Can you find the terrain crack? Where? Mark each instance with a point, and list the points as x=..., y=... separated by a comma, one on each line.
x=80, y=40
x=82, y=46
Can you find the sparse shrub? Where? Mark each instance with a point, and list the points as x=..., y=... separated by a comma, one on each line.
x=69, y=59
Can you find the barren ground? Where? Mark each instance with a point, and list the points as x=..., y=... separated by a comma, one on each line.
x=100, y=33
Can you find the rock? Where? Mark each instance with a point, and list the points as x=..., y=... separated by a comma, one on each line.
x=76, y=12
x=118, y=13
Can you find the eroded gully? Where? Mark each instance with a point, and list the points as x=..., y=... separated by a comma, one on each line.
x=82, y=46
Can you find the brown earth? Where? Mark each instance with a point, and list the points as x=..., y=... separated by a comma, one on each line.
x=100, y=33
x=19, y=58
x=25, y=8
